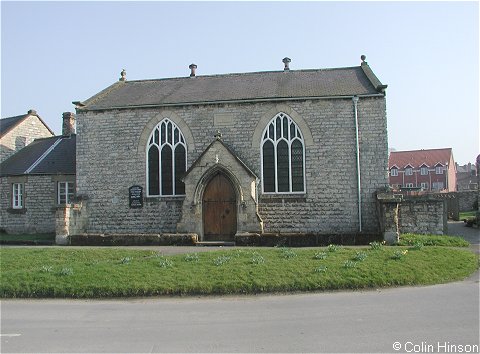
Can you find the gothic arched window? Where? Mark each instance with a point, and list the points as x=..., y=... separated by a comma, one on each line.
x=166, y=160
x=283, y=156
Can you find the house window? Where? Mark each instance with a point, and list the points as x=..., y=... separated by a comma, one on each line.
x=439, y=170
x=17, y=196
x=424, y=186
x=424, y=171
x=438, y=186
x=408, y=171
x=283, y=156
x=66, y=192
x=394, y=172
x=409, y=185
x=166, y=160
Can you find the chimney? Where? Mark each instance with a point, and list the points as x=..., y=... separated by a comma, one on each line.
x=192, y=67
x=68, y=126
x=123, y=75
x=286, y=61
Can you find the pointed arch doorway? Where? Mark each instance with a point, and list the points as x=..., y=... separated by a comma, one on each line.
x=219, y=206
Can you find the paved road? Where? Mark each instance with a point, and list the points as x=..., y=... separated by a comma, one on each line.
x=471, y=234
x=367, y=321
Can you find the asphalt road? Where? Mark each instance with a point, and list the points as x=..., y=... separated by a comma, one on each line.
x=415, y=319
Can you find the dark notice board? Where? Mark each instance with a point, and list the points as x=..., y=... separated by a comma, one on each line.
x=135, y=196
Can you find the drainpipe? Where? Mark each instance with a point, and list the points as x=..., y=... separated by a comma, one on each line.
x=359, y=188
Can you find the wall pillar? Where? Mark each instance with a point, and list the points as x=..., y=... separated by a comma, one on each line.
x=70, y=220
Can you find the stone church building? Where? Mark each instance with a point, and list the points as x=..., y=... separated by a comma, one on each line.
x=225, y=156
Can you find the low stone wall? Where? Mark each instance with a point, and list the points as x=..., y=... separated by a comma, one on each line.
x=133, y=240
x=421, y=214
x=304, y=239
x=466, y=200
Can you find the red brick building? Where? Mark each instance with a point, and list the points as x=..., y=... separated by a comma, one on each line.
x=426, y=170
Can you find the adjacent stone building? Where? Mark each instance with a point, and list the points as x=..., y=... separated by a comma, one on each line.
x=224, y=156
x=38, y=180
x=19, y=131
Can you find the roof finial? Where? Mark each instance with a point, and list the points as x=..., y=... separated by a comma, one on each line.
x=123, y=75
x=286, y=61
x=218, y=135
x=363, y=57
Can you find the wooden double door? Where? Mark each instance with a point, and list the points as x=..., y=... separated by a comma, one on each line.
x=219, y=210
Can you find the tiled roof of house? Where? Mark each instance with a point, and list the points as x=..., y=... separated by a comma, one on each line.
x=272, y=85
x=55, y=155
x=417, y=158
x=7, y=124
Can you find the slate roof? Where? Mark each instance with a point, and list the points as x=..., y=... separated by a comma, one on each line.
x=7, y=124
x=46, y=156
x=417, y=158
x=271, y=85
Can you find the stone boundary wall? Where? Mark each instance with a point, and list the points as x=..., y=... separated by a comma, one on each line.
x=421, y=214
x=133, y=240
x=466, y=200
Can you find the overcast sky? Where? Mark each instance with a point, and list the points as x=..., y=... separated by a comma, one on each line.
x=427, y=53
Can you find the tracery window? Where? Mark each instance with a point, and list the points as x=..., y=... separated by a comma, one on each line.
x=283, y=156
x=166, y=160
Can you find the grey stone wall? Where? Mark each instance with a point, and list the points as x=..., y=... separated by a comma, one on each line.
x=23, y=134
x=466, y=200
x=401, y=214
x=111, y=158
x=423, y=216
x=38, y=214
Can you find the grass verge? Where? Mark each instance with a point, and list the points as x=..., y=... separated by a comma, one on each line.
x=432, y=240
x=467, y=215
x=100, y=272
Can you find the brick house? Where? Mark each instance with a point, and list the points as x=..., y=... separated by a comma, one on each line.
x=425, y=170
x=236, y=154
x=19, y=131
x=37, y=180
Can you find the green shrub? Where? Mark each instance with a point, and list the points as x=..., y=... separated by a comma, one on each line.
x=191, y=257
x=399, y=254
x=65, y=272
x=165, y=263
x=321, y=269
x=332, y=248
x=287, y=253
x=349, y=264
x=360, y=256
x=320, y=255
x=376, y=245
x=257, y=258
x=221, y=260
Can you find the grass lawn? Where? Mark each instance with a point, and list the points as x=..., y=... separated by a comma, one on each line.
x=467, y=215
x=113, y=272
x=432, y=240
